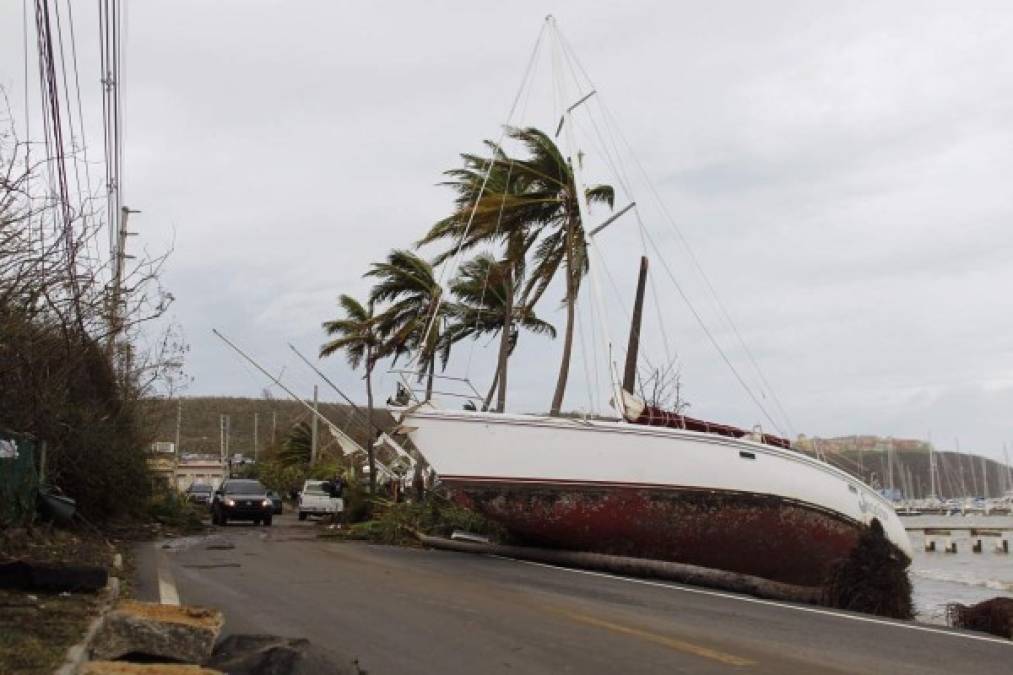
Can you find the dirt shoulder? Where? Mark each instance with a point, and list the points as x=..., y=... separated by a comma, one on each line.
x=37, y=628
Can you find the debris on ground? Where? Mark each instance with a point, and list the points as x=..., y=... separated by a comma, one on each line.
x=873, y=579
x=37, y=628
x=169, y=632
x=273, y=655
x=125, y=668
x=58, y=577
x=993, y=616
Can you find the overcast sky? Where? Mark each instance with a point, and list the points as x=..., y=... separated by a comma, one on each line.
x=842, y=171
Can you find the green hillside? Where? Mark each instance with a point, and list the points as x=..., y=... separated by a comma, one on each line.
x=200, y=422
x=868, y=457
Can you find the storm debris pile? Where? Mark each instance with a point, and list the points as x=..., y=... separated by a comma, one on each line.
x=993, y=616
x=873, y=579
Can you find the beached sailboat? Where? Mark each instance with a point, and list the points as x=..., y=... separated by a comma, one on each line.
x=651, y=484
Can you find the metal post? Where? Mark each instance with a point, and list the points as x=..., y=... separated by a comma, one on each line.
x=313, y=427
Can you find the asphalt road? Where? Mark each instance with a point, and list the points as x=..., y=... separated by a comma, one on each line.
x=404, y=610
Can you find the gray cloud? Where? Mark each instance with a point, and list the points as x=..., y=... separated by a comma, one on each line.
x=841, y=170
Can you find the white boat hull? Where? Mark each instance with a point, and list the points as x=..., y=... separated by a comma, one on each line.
x=653, y=492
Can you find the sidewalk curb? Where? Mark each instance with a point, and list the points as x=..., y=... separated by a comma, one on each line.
x=77, y=655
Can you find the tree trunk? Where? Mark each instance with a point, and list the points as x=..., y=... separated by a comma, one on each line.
x=492, y=390
x=429, y=378
x=504, y=341
x=371, y=450
x=564, y=365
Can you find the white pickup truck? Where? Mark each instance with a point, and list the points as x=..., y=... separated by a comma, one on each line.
x=314, y=500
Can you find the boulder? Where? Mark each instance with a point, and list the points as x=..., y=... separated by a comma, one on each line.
x=185, y=634
x=125, y=668
x=993, y=616
x=273, y=655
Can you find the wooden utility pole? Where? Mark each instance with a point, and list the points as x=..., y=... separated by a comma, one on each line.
x=255, y=444
x=221, y=437
x=179, y=423
x=313, y=428
x=633, y=346
x=274, y=427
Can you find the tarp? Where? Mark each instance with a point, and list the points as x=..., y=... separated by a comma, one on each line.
x=19, y=482
x=656, y=417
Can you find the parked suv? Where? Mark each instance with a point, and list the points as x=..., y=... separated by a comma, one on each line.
x=198, y=493
x=241, y=499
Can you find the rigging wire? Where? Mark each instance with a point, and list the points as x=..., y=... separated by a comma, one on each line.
x=526, y=86
x=710, y=336
x=695, y=261
x=27, y=112
x=456, y=258
x=80, y=108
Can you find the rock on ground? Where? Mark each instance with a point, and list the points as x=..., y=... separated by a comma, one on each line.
x=273, y=655
x=185, y=634
x=124, y=668
x=993, y=616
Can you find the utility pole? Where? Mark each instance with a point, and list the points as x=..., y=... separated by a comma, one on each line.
x=313, y=427
x=179, y=422
x=228, y=434
x=221, y=437
x=255, y=444
x=274, y=427
x=116, y=319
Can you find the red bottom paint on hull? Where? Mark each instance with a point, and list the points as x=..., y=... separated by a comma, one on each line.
x=755, y=534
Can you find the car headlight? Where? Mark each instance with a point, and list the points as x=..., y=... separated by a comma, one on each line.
x=266, y=502
x=230, y=502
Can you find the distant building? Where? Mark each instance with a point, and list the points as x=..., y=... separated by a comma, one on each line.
x=163, y=447
x=199, y=470
x=162, y=469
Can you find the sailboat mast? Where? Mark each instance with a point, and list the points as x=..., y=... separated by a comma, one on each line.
x=578, y=184
x=633, y=347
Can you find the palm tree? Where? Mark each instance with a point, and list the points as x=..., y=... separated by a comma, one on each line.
x=357, y=335
x=413, y=319
x=525, y=201
x=296, y=449
x=484, y=289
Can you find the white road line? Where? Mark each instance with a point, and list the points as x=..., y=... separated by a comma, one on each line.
x=759, y=601
x=167, y=593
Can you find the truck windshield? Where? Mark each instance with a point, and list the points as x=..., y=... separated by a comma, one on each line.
x=315, y=489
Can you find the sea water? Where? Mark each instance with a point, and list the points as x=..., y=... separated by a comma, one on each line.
x=939, y=578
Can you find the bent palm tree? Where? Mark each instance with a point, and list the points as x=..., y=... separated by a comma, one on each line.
x=296, y=449
x=413, y=319
x=357, y=336
x=484, y=289
x=524, y=201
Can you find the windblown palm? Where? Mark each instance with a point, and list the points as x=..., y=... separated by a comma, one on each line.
x=296, y=448
x=525, y=201
x=406, y=281
x=356, y=335
x=483, y=290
